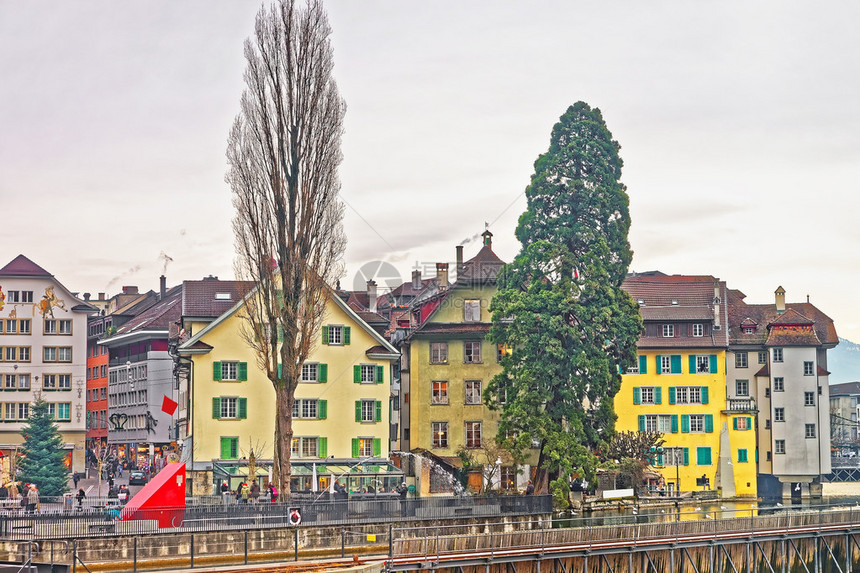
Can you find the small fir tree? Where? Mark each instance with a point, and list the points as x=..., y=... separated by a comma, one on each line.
x=44, y=459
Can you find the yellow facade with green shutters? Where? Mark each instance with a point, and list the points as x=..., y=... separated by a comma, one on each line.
x=682, y=393
x=342, y=402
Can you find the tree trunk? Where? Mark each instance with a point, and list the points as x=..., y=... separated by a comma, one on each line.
x=284, y=439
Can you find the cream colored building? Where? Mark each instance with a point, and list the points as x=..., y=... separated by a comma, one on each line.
x=342, y=403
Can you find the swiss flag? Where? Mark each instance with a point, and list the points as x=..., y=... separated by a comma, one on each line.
x=168, y=406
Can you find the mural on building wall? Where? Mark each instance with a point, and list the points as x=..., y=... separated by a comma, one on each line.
x=48, y=303
x=2, y=298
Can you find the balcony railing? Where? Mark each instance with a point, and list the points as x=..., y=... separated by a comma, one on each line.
x=740, y=405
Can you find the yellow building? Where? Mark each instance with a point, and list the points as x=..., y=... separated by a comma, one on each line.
x=447, y=366
x=341, y=413
x=678, y=387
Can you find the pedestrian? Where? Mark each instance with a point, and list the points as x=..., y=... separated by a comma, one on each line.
x=224, y=487
x=530, y=488
x=244, y=492
x=273, y=492
x=110, y=481
x=80, y=497
x=403, y=490
x=122, y=494
x=32, y=499
x=76, y=478
x=255, y=491
x=4, y=492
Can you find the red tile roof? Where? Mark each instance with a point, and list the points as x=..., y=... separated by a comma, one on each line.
x=475, y=329
x=21, y=266
x=484, y=266
x=766, y=317
x=199, y=297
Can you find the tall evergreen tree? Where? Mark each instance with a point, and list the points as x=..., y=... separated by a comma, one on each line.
x=44, y=458
x=560, y=307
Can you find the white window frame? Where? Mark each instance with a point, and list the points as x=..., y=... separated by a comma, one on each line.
x=646, y=395
x=439, y=434
x=229, y=408
x=472, y=356
x=741, y=360
x=368, y=373
x=368, y=411
x=668, y=331
x=777, y=355
x=229, y=370
x=664, y=423
x=779, y=446
x=438, y=353
x=808, y=368
x=742, y=387
x=473, y=392
x=335, y=335
x=809, y=399
x=651, y=423
x=437, y=395
x=474, y=428
x=697, y=423
x=778, y=384
x=809, y=431
x=698, y=329
x=310, y=372
x=703, y=364
x=472, y=310
x=665, y=364
x=779, y=414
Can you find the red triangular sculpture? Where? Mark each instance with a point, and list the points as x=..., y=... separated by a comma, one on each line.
x=163, y=498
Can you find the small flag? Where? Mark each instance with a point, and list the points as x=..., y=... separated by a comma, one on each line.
x=168, y=406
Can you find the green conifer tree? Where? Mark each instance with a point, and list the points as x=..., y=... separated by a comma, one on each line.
x=44, y=457
x=560, y=307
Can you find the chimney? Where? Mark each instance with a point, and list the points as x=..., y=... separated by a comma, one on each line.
x=717, y=301
x=459, y=266
x=442, y=275
x=101, y=296
x=87, y=296
x=416, y=280
x=129, y=290
x=163, y=283
x=371, y=296
x=780, y=299
x=488, y=239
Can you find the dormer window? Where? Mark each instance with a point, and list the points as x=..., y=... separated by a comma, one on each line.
x=748, y=329
x=668, y=330
x=698, y=329
x=222, y=296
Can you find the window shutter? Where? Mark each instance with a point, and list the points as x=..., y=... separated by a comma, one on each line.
x=380, y=374
x=676, y=363
x=643, y=365
x=216, y=408
x=637, y=395
x=658, y=362
x=355, y=447
x=322, y=373
x=749, y=422
x=322, y=447
x=674, y=423
x=692, y=364
x=225, y=448
x=356, y=374
x=243, y=371
x=322, y=410
x=685, y=423
x=346, y=330
x=658, y=395
x=378, y=410
x=713, y=363
x=686, y=456
x=216, y=371
x=704, y=394
x=325, y=334
x=377, y=447
x=671, y=394
x=358, y=410
x=641, y=423
x=280, y=370
x=243, y=408
x=709, y=423
x=734, y=423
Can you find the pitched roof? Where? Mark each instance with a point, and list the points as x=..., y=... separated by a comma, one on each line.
x=483, y=267
x=847, y=388
x=158, y=316
x=453, y=329
x=210, y=298
x=21, y=266
x=766, y=317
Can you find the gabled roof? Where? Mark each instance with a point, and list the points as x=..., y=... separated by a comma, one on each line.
x=791, y=318
x=210, y=298
x=802, y=314
x=845, y=389
x=21, y=266
x=483, y=267
x=158, y=316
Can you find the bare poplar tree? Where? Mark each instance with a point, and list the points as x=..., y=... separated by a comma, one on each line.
x=283, y=155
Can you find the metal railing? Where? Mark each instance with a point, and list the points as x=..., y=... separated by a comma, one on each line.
x=94, y=519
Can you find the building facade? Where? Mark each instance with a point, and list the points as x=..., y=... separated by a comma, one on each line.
x=678, y=387
x=43, y=329
x=844, y=410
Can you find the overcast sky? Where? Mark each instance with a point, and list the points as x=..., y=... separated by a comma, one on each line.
x=739, y=125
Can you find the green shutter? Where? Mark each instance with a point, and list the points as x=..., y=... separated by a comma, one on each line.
x=749, y=423
x=692, y=364
x=643, y=365
x=703, y=456
x=216, y=408
x=346, y=330
x=637, y=395
x=325, y=334
x=685, y=423
x=641, y=423
x=380, y=374
x=322, y=373
x=709, y=423
x=671, y=394
x=243, y=408
x=356, y=374
x=674, y=423
x=734, y=423
x=216, y=371
x=280, y=370
x=243, y=371
x=377, y=447
x=676, y=363
x=658, y=395
x=355, y=447
x=686, y=456
x=378, y=410
x=225, y=448
x=322, y=409
x=658, y=362
x=322, y=447
x=742, y=455
x=713, y=364
x=358, y=410
x=704, y=394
